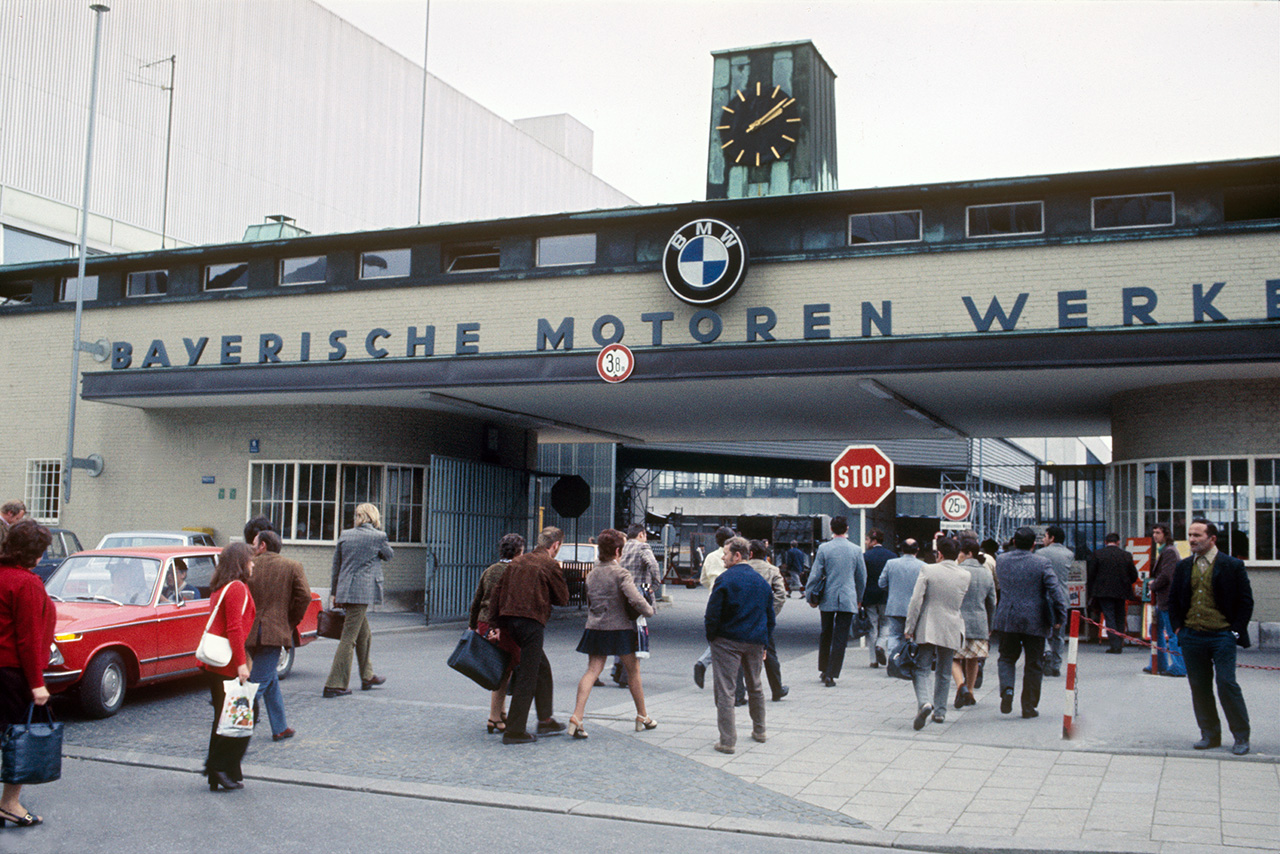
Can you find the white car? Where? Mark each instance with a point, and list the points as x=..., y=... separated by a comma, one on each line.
x=137, y=539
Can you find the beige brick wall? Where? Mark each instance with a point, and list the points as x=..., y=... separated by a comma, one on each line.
x=1232, y=417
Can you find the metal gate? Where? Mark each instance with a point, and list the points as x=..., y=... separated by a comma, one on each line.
x=471, y=505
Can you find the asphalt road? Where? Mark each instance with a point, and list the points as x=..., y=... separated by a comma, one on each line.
x=353, y=779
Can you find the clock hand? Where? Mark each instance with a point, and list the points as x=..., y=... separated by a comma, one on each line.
x=767, y=117
x=770, y=116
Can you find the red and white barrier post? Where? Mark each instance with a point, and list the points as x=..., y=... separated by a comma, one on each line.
x=1073, y=645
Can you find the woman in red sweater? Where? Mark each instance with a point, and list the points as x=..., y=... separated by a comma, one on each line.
x=232, y=619
x=26, y=634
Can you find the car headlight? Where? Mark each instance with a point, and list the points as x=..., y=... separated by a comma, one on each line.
x=55, y=656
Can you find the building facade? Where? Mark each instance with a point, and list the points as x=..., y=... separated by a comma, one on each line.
x=303, y=375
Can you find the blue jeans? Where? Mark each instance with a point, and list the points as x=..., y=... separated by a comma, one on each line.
x=1210, y=657
x=263, y=672
x=1171, y=661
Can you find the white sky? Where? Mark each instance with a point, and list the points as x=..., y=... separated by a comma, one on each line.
x=925, y=91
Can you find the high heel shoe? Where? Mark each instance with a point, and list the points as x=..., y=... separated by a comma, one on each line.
x=643, y=724
x=220, y=778
x=496, y=726
x=27, y=820
x=576, y=729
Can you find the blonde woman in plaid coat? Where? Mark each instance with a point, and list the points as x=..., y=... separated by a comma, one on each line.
x=356, y=583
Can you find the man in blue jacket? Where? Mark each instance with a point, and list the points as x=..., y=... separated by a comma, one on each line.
x=739, y=623
x=835, y=586
x=1210, y=604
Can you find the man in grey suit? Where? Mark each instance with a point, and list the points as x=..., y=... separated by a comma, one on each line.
x=899, y=578
x=835, y=586
x=1031, y=606
x=934, y=622
x=1061, y=558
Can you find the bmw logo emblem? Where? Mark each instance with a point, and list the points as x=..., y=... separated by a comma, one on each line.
x=705, y=261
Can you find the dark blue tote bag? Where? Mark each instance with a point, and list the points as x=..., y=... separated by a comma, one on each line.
x=32, y=752
x=479, y=660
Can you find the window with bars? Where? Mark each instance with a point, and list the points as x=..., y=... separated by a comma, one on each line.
x=314, y=501
x=1220, y=493
x=1266, y=508
x=43, y=491
x=1164, y=489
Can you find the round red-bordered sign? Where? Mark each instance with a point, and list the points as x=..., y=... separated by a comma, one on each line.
x=956, y=506
x=615, y=363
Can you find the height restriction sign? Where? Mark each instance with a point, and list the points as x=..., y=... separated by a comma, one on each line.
x=615, y=363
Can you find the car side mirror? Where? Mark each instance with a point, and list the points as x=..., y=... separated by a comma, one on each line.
x=187, y=595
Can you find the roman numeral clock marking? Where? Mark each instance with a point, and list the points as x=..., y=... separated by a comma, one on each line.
x=760, y=127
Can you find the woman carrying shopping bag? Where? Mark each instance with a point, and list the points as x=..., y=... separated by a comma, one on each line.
x=610, y=630
x=26, y=635
x=232, y=617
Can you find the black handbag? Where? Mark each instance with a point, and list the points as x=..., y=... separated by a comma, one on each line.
x=861, y=624
x=32, y=752
x=329, y=623
x=902, y=661
x=479, y=660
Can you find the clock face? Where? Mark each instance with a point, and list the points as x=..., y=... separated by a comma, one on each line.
x=758, y=126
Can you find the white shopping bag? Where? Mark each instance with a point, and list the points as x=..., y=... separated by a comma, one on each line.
x=236, y=718
x=642, y=637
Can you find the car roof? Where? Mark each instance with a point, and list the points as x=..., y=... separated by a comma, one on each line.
x=152, y=551
x=155, y=533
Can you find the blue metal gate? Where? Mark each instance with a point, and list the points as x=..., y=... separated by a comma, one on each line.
x=470, y=506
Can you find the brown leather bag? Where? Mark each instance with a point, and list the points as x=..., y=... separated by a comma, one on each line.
x=329, y=623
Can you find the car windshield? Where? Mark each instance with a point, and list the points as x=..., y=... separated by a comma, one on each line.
x=133, y=541
x=121, y=579
x=577, y=552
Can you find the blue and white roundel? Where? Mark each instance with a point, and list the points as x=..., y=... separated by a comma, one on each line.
x=703, y=261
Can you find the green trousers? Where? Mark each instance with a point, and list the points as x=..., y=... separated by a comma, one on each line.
x=355, y=636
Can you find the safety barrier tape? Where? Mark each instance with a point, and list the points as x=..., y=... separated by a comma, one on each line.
x=1156, y=648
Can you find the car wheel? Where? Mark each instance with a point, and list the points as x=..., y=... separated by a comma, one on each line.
x=286, y=663
x=103, y=686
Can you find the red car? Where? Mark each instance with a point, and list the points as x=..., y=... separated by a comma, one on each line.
x=131, y=617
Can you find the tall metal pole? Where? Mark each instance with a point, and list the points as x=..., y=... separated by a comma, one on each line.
x=422, y=131
x=98, y=10
x=168, y=148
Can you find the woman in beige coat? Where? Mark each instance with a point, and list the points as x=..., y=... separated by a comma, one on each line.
x=935, y=623
x=609, y=631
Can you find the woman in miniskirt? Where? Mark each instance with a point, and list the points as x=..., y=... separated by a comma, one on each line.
x=610, y=629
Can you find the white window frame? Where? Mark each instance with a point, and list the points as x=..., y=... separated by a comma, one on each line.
x=91, y=282
x=919, y=225
x=363, y=277
x=39, y=494
x=1039, y=202
x=204, y=286
x=595, y=243
x=133, y=273
x=338, y=498
x=1139, y=495
x=310, y=258
x=1173, y=212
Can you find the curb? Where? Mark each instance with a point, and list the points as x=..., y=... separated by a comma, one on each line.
x=902, y=841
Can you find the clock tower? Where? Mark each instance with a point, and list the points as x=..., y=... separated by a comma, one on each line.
x=773, y=122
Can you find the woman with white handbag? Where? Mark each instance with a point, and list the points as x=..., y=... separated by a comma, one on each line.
x=222, y=657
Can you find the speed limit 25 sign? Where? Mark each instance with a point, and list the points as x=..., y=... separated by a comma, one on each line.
x=615, y=363
x=956, y=506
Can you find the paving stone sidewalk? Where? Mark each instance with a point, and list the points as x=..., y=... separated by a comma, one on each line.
x=852, y=749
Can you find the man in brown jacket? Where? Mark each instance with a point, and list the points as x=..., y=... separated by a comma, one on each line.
x=281, y=595
x=521, y=604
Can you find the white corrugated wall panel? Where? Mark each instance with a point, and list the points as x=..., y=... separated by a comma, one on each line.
x=280, y=107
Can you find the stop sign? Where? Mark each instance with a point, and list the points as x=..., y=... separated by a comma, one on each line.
x=862, y=476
